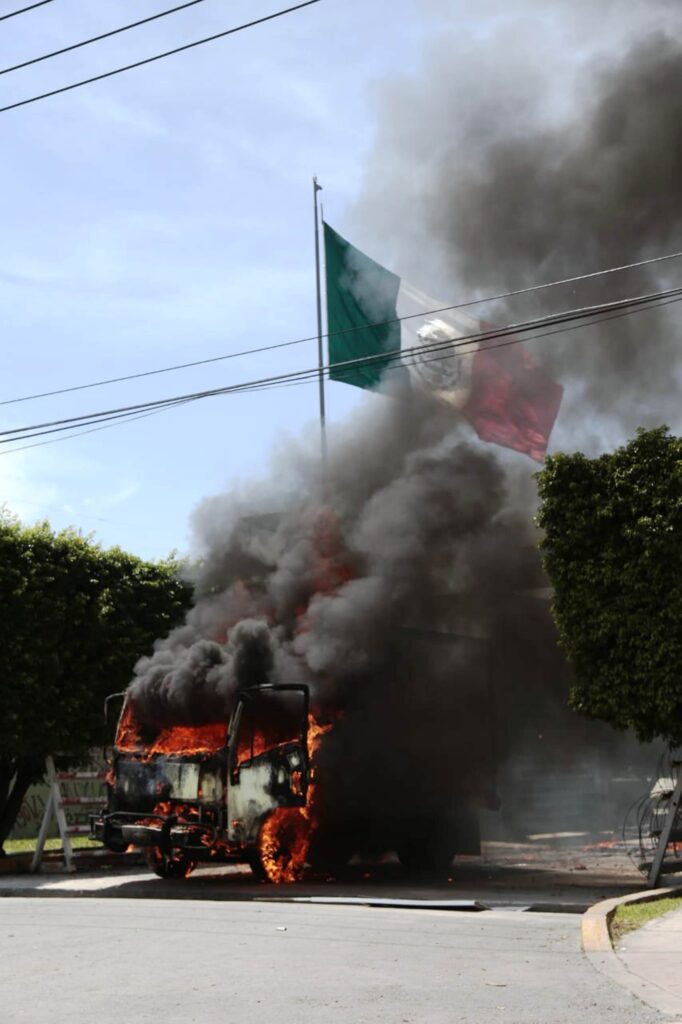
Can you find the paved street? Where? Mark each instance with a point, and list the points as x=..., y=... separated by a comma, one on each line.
x=574, y=874
x=185, y=961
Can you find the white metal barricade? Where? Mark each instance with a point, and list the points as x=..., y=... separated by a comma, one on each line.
x=57, y=806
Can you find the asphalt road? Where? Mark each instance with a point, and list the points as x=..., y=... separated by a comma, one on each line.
x=570, y=873
x=178, y=962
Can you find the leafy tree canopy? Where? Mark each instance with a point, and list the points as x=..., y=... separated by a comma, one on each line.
x=74, y=619
x=613, y=552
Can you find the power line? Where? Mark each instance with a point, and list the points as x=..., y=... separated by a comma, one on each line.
x=131, y=419
x=567, y=316
x=22, y=10
x=560, y=330
x=96, y=39
x=80, y=433
x=159, y=56
x=383, y=358
x=152, y=373
x=312, y=376
x=349, y=330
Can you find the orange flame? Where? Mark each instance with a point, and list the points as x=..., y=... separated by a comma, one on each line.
x=181, y=740
x=286, y=834
x=186, y=740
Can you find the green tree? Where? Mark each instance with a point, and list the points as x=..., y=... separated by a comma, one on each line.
x=613, y=552
x=74, y=619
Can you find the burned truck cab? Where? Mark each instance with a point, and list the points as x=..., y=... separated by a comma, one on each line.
x=192, y=793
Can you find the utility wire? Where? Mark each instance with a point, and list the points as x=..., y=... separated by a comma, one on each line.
x=335, y=334
x=313, y=376
x=584, y=313
x=165, y=369
x=129, y=418
x=159, y=56
x=22, y=10
x=96, y=39
x=559, y=330
x=80, y=433
x=383, y=358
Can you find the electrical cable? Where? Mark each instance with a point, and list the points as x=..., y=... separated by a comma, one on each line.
x=153, y=373
x=96, y=39
x=384, y=358
x=22, y=10
x=349, y=330
x=141, y=416
x=80, y=433
x=621, y=307
x=559, y=330
x=159, y=56
x=312, y=377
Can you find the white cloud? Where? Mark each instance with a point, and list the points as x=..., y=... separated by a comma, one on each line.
x=20, y=490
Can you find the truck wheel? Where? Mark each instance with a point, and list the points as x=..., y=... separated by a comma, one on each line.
x=425, y=863
x=329, y=853
x=257, y=868
x=282, y=847
x=427, y=854
x=433, y=844
x=117, y=845
x=165, y=865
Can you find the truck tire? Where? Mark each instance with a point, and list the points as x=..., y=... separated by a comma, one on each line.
x=117, y=845
x=165, y=865
x=329, y=853
x=428, y=850
x=425, y=859
x=279, y=854
x=431, y=846
x=257, y=867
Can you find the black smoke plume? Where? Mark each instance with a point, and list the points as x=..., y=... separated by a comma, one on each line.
x=518, y=177
x=405, y=586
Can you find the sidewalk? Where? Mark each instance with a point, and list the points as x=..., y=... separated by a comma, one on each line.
x=648, y=961
x=653, y=954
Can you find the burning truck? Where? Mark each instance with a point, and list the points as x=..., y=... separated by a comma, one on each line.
x=270, y=786
x=211, y=792
x=329, y=694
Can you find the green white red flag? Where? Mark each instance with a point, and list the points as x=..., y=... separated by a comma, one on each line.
x=379, y=324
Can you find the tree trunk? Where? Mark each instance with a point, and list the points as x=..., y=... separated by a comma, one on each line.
x=23, y=773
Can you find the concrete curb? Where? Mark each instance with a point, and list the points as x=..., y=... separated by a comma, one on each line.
x=597, y=946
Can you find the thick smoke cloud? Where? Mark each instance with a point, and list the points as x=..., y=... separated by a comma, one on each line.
x=405, y=586
x=336, y=576
x=603, y=190
x=520, y=168
x=194, y=680
x=380, y=586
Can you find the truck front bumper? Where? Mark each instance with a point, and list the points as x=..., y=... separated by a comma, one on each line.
x=119, y=830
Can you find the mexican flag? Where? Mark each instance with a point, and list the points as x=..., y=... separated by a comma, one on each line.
x=502, y=392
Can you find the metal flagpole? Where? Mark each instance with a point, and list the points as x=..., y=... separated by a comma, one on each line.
x=320, y=349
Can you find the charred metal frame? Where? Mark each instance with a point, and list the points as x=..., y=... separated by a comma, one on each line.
x=118, y=829
x=236, y=717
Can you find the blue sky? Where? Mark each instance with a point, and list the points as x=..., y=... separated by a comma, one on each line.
x=164, y=215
